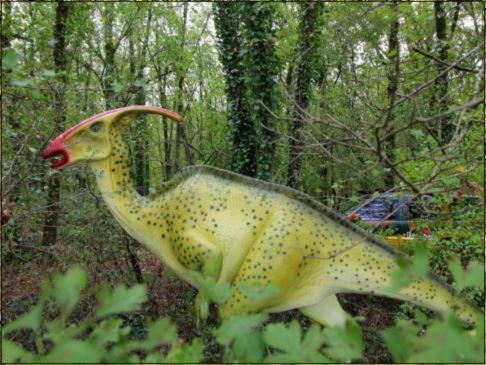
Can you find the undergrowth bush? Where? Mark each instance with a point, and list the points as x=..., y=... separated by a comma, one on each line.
x=104, y=337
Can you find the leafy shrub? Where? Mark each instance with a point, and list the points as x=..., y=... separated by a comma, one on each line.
x=103, y=337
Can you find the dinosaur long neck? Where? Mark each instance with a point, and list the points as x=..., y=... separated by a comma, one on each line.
x=142, y=217
x=117, y=189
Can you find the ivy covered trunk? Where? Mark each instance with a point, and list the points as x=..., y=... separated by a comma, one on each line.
x=247, y=49
x=243, y=136
x=262, y=68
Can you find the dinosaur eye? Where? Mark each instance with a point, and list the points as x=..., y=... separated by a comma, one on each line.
x=96, y=127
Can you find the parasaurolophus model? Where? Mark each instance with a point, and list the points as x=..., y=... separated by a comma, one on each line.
x=239, y=230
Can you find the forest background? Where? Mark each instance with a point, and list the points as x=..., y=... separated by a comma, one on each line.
x=339, y=100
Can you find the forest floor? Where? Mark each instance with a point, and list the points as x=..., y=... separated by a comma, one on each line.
x=171, y=297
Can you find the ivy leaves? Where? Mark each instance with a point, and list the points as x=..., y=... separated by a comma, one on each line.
x=247, y=52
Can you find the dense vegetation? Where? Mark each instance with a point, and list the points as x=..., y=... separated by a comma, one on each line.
x=338, y=100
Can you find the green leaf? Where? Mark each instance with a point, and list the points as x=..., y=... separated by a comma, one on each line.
x=155, y=358
x=57, y=331
x=248, y=348
x=11, y=352
x=313, y=341
x=400, y=340
x=237, y=325
x=208, y=285
x=259, y=292
x=287, y=339
x=160, y=332
x=410, y=270
x=284, y=338
x=241, y=332
x=344, y=343
x=473, y=276
x=75, y=351
x=121, y=300
x=68, y=288
x=186, y=353
x=446, y=342
x=9, y=60
x=31, y=320
x=109, y=330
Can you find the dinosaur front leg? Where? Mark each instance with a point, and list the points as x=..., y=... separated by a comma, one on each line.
x=198, y=254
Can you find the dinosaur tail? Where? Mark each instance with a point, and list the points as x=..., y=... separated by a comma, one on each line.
x=432, y=294
x=372, y=269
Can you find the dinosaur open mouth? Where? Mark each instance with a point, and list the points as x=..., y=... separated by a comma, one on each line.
x=59, y=154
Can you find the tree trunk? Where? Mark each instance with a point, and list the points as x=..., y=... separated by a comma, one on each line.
x=445, y=129
x=306, y=48
x=13, y=229
x=181, y=137
x=109, y=70
x=6, y=28
x=167, y=132
x=162, y=85
x=243, y=139
x=166, y=126
x=141, y=149
x=53, y=185
x=261, y=64
x=393, y=75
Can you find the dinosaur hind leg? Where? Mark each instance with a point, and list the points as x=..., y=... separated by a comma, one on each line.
x=328, y=312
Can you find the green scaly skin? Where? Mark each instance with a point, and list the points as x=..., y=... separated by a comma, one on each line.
x=240, y=230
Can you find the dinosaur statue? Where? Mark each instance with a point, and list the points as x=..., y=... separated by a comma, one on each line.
x=243, y=231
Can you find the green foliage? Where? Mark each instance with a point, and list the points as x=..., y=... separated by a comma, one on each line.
x=424, y=339
x=472, y=277
x=344, y=343
x=68, y=288
x=410, y=270
x=444, y=341
x=121, y=300
x=242, y=339
x=245, y=338
x=292, y=348
x=259, y=292
x=217, y=294
x=91, y=340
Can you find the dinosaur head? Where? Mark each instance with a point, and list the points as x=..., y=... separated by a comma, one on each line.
x=89, y=140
